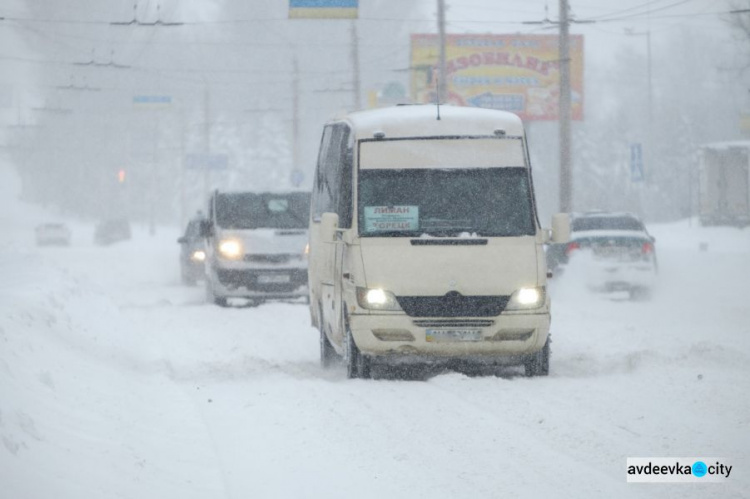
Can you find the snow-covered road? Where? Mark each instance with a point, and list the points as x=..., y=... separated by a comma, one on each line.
x=116, y=381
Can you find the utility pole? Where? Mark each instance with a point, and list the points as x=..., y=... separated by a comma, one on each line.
x=647, y=34
x=295, y=114
x=564, y=105
x=183, y=179
x=566, y=174
x=355, y=66
x=650, y=81
x=441, y=42
x=153, y=189
x=207, y=138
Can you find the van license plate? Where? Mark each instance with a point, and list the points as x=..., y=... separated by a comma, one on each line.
x=435, y=335
x=273, y=278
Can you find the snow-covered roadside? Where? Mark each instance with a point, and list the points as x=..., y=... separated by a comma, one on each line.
x=87, y=408
x=115, y=381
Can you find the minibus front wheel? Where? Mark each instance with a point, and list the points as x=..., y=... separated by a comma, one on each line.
x=357, y=364
x=538, y=364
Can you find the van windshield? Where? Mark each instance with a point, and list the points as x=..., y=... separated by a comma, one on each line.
x=258, y=211
x=446, y=202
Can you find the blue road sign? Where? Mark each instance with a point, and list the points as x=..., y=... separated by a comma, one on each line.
x=297, y=177
x=636, y=162
x=206, y=161
x=152, y=101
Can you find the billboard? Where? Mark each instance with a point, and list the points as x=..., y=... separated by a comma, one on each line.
x=517, y=73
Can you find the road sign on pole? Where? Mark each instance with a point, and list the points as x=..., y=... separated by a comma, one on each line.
x=207, y=161
x=152, y=101
x=636, y=162
x=297, y=177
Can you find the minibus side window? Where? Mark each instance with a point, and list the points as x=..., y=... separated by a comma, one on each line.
x=319, y=202
x=332, y=191
x=346, y=163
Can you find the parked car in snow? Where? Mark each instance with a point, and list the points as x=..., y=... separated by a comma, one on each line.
x=255, y=246
x=610, y=252
x=192, y=252
x=52, y=234
x=112, y=230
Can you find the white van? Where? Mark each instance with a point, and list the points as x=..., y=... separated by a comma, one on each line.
x=255, y=246
x=424, y=241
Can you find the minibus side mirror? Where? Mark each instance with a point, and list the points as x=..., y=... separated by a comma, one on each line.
x=560, y=228
x=329, y=222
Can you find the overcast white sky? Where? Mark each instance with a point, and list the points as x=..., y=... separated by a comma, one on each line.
x=243, y=52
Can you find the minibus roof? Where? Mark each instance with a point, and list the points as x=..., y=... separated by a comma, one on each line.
x=421, y=121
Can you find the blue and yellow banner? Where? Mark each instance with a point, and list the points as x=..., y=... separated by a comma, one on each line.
x=323, y=9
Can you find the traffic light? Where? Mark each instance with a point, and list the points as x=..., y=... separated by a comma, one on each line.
x=121, y=176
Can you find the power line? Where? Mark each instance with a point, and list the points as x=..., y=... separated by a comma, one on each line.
x=648, y=12
x=399, y=20
x=629, y=9
x=136, y=22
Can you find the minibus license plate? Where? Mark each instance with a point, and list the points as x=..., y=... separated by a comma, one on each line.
x=435, y=335
x=273, y=278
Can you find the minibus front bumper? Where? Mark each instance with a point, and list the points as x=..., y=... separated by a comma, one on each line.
x=508, y=335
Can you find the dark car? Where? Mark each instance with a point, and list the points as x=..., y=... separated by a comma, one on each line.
x=192, y=253
x=112, y=230
x=610, y=251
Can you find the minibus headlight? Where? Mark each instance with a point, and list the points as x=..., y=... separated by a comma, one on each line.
x=230, y=248
x=526, y=298
x=377, y=299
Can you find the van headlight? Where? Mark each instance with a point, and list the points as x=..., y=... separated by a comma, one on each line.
x=377, y=299
x=230, y=249
x=526, y=299
x=198, y=256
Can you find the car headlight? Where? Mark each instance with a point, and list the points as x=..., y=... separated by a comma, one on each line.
x=377, y=299
x=198, y=256
x=231, y=249
x=526, y=299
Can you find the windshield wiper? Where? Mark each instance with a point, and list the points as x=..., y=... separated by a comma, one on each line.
x=393, y=233
x=450, y=232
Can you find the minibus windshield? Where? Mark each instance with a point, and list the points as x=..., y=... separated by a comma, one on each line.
x=445, y=202
x=258, y=211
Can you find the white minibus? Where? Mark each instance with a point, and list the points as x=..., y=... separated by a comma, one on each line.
x=425, y=246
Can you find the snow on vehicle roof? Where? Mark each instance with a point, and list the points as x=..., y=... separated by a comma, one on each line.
x=607, y=233
x=421, y=121
x=598, y=213
x=745, y=144
x=280, y=192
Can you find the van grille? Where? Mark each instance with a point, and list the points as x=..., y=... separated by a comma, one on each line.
x=453, y=304
x=233, y=279
x=273, y=258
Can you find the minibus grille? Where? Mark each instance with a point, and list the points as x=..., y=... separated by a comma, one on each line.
x=454, y=322
x=453, y=304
